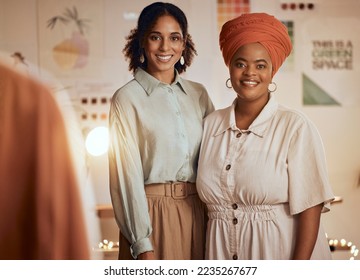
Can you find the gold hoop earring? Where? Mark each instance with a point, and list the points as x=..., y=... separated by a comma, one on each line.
x=227, y=83
x=274, y=87
x=142, y=58
x=182, y=60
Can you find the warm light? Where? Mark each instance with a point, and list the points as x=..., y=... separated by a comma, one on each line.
x=108, y=245
x=97, y=141
x=342, y=244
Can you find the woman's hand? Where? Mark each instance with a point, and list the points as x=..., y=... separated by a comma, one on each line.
x=307, y=232
x=147, y=256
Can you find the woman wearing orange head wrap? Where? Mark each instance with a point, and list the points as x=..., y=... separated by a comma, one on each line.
x=262, y=170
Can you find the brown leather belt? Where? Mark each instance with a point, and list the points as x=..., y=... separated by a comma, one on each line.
x=176, y=190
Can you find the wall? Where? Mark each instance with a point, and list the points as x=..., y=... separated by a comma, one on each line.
x=329, y=20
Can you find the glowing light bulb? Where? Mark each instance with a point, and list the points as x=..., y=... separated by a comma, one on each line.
x=97, y=141
x=343, y=242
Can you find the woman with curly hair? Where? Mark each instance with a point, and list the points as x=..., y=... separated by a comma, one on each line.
x=156, y=129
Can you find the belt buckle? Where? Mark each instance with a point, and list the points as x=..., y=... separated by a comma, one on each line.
x=179, y=191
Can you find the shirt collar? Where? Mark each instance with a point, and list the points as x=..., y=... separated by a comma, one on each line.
x=150, y=83
x=259, y=125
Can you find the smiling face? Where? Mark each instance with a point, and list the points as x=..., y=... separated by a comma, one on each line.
x=250, y=72
x=163, y=48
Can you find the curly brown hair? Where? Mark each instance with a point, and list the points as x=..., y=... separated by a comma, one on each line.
x=133, y=49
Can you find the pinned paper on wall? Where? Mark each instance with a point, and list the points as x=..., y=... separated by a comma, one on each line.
x=70, y=37
x=289, y=63
x=229, y=9
x=329, y=61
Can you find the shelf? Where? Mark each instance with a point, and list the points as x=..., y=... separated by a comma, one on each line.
x=104, y=211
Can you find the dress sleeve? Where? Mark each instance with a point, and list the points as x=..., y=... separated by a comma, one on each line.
x=127, y=179
x=308, y=176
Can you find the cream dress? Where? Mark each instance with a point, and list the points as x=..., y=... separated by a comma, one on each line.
x=254, y=182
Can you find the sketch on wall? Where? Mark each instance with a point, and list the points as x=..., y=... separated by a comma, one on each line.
x=72, y=52
x=70, y=37
x=19, y=63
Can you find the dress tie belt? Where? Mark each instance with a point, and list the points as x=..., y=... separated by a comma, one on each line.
x=176, y=190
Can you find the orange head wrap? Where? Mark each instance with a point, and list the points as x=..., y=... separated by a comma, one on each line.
x=256, y=28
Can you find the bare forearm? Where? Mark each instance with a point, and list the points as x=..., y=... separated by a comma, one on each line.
x=147, y=256
x=307, y=232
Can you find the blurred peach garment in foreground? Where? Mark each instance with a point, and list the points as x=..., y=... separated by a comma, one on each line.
x=41, y=214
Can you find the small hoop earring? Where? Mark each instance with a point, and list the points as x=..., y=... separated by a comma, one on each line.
x=182, y=60
x=142, y=58
x=274, y=87
x=227, y=83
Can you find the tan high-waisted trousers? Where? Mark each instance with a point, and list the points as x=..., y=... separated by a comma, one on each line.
x=179, y=222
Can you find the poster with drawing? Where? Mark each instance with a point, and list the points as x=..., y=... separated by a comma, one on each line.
x=70, y=37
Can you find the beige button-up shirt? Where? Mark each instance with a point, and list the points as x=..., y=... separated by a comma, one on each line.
x=155, y=132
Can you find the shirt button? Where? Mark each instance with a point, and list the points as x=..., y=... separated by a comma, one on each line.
x=238, y=135
x=235, y=257
x=235, y=221
x=228, y=166
x=234, y=206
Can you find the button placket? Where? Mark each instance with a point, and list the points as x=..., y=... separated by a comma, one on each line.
x=236, y=141
x=235, y=229
x=181, y=133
